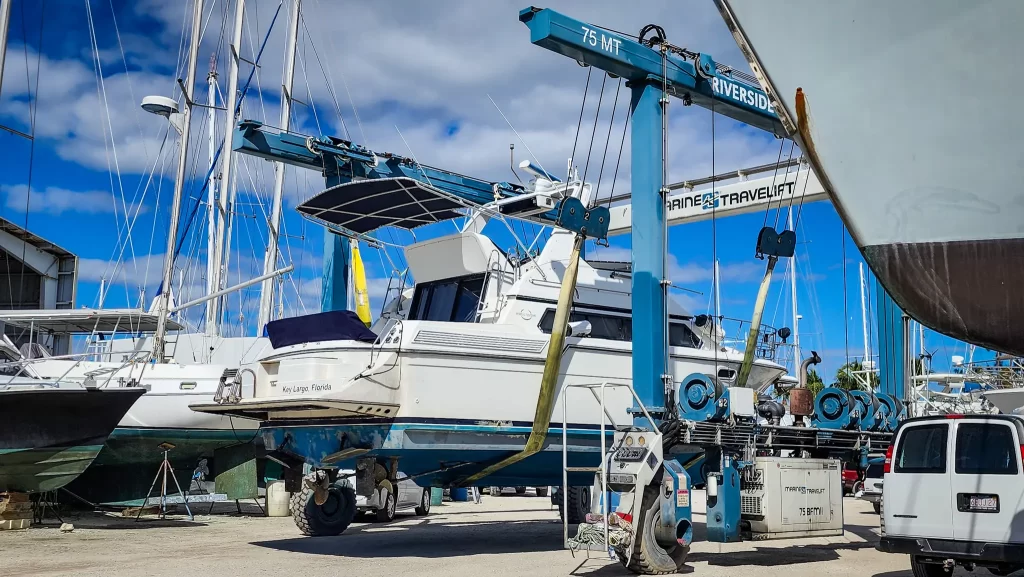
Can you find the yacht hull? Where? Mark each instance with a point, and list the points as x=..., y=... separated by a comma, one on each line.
x=440, y=452
x=898, y=118
x=451, y=406
x=125, y=467
x=48, y=437
x=1006, y=400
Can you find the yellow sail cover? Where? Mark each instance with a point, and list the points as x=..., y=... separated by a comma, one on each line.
x=362, y=297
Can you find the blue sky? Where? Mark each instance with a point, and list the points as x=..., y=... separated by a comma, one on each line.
x=425, y=69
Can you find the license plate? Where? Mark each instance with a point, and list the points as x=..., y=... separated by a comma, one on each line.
x=630, y=454
x=987, y=503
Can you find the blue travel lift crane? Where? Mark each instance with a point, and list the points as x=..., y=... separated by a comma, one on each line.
x=658, y=485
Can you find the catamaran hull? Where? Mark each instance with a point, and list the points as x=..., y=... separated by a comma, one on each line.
x=48, y=437
x=901, y=121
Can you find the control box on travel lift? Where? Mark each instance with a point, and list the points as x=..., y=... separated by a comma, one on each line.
x=784, y=497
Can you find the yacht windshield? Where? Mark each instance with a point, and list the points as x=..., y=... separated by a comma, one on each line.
x=451, y=300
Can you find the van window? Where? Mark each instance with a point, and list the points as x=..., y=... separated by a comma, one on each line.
x=985, y=449
x=922, y=449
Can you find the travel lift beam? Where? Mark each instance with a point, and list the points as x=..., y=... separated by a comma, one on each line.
x=656, y=493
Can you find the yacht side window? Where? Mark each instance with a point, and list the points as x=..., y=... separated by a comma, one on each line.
x=620, y=328
x=450, y=300
x=610, y=327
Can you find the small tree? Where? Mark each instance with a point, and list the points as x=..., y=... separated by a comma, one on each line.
x=851, y=377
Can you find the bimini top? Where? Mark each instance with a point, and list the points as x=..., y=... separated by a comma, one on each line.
x=363, y=206
x=82, y=321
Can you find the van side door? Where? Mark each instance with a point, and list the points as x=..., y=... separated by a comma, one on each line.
x=987, y=481
x=916, y=491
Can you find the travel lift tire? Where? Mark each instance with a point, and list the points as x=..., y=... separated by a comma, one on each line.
x=647, y=555
x=331, y=517
x=386, y=513
x=424, y=508
x=578, y=504
x=541, y=491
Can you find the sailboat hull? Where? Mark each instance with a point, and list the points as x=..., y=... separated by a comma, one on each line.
x=902, y=116
x=49, y=436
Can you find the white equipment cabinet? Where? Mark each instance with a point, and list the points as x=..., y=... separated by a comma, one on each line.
x=784, y=497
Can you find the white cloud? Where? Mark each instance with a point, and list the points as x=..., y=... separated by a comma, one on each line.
x=56, y=201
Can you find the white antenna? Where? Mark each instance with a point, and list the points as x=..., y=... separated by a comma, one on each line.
x=270, y=262
x=792, y=285
x=864, y=313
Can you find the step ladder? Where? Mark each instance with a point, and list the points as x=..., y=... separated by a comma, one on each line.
x=597, y=390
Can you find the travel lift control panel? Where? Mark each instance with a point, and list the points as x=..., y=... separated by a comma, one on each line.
x=633, y=465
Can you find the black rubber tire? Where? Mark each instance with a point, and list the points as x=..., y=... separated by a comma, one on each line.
x=1002, y=571
x=921, y=569
x=541, y=491
x=386, y=513
x=877, y=505
x=520, y=490
x=424, y=508
x=331, y=518
x=647, y=556
x=578, y=504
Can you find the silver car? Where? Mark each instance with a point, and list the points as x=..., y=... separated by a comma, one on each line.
x=383, y=504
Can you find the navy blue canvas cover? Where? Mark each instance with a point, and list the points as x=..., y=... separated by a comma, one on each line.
x=326, y=326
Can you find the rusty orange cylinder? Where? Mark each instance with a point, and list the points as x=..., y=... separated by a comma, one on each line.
x=801, y=402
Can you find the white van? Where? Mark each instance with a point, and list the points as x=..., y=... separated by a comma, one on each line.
x=953, y=494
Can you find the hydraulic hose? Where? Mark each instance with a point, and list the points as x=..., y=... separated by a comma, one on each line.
x=552, y=366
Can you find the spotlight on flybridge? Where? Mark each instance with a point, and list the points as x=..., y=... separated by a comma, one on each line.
x=160, y=105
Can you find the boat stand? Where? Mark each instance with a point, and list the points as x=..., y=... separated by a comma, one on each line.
x=167, y=471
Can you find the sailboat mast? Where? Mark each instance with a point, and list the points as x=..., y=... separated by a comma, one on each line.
x=222, y=247
x=864, y=315
x=792, y=296
x=270, y=262
x=163, y=301
x=5, y=19
x=211, y=197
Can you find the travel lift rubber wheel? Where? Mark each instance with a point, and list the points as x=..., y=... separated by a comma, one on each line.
x=541, y=491
x=647, y=556
x=331, y=518
x=578, y=504
x=386, y=513
x=520, y=490
x=424, y=507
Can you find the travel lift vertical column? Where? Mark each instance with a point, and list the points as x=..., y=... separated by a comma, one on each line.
x=660, y=492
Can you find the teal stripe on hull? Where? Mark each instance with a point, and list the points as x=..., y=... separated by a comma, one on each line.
x=44, y=469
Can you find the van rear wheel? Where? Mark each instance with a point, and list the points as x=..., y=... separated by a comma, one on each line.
x=920, y=568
